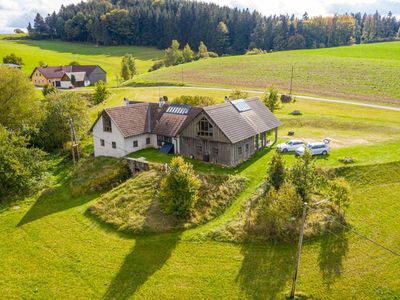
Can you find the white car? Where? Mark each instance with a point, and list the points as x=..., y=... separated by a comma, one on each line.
x=319, y=148
x=290, y=146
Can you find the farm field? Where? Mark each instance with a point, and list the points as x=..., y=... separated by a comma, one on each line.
x=52, y=243
x=62, y=53
x=367, y=72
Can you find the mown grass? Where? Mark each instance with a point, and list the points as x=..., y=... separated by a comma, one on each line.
x=62, y=53
x=366, y=72
x=54, y=248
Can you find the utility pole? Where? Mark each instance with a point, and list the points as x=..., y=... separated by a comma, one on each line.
x=296, y=270
x=74, y=143
x=291, y=81
x=72, y=140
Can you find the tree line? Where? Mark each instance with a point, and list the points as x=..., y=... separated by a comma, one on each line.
x=224, y=30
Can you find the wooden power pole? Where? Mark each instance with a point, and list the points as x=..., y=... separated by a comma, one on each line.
x=296, y=270
x=74, y=142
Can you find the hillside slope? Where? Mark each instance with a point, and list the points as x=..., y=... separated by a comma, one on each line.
x=366, y=72
x=62, y=53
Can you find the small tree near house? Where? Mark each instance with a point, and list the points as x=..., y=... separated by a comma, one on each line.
x=179, y=189
x=100, y=92
x=276, y=171
x=13, y=59
x=73, y=80
x=271, y=99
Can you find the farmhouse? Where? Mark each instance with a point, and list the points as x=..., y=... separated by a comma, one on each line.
x=227, y=133
x=68, y=76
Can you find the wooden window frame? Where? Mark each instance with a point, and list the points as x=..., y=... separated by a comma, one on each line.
x=205, y=128
x=107, y=127
x=135, y=144
x=148, y=141
x=102, y=143
x=114, y=145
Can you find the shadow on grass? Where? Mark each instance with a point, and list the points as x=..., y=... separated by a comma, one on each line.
x=333, y=248
x=266, y=271
x=91, y=49
x=147, y=257
x=53, y=201
x=56, y=199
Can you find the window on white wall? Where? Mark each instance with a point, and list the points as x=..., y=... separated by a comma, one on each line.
x=148, y=141
x=114, y=144
x=102, y=143
x=135, y=144
x=106, y=123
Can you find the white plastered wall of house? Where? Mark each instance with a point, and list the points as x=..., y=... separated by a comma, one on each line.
x=123, y=146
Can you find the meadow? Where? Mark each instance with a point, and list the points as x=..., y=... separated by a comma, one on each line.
x=62, y=53
x=367, y=72
x=53, y=247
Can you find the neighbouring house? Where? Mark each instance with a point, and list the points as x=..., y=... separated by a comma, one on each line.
x=12, y=66
x=227, y=134
x=67, y=77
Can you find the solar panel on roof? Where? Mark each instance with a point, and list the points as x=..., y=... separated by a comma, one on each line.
x=179, y=109
x=241, y=105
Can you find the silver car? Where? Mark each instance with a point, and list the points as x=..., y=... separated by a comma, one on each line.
x=319, y=148
x=290, y=146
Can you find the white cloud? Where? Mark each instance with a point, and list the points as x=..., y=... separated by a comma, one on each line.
x=18, y=13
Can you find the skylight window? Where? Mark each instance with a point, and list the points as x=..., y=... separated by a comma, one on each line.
x=241, y=105
x=179, y=109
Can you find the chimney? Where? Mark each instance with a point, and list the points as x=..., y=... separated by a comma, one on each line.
x=226, y=99
x=163, y=101
x=126, y=101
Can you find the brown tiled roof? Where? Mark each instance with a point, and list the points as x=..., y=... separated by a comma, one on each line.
x=59, y=71
x=171, y=124
x=134, y=119
x=240, y=125
x=143, y=117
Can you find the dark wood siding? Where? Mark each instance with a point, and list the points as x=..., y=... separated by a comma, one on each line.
x=202, y=149
x=96, y=75
x=191, y=130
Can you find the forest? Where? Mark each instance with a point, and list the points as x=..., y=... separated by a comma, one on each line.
x=224, y=30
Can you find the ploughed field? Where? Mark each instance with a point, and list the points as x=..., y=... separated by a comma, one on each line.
x=54, y=247
x=368, y=72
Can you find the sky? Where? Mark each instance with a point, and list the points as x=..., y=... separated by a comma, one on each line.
x=18, y=13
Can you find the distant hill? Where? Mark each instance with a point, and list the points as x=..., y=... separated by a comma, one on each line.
x=367, y=72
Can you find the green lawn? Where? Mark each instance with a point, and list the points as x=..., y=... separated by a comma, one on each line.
x=54, y=248
x=62, y=53
x=366, y=72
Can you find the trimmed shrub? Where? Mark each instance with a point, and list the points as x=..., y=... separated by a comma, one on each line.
x=179, y=189
x=157, y=65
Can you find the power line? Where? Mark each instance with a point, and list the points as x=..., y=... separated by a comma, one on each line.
x=366, y=237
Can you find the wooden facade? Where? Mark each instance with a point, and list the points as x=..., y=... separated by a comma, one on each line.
x=217, y=148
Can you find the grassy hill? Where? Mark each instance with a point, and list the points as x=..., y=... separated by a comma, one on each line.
x=62, y=53
x=366, y=72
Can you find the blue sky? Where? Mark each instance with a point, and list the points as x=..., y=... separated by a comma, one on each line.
x=17, y=13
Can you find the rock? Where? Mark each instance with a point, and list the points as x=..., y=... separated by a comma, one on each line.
x=296, y=113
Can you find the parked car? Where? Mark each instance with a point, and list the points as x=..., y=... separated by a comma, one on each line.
x=290, y=146
x=319, y=148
